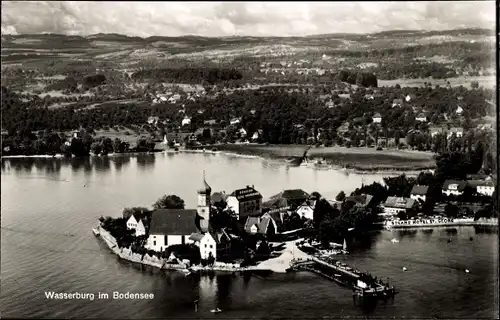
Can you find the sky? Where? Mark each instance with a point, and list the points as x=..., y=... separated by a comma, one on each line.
x=216, y=19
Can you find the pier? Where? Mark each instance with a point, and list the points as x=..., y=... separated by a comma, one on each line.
x=363, y=285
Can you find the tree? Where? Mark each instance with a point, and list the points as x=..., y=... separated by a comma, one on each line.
x=340, y=196
x=96, y=147
x=451, y=210
x=169, y=202
x=127, y=212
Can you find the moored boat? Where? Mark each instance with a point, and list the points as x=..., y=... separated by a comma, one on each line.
x=96, y=231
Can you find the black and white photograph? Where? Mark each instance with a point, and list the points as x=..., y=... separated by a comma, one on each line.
x=249, y=160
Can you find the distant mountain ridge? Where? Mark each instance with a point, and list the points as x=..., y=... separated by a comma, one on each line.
x=347, y=36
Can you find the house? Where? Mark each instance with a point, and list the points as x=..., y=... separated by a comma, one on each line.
x=362, y=200
x=459, y=132
x=242, y=132
x=377, y=118
x=261, y=225
x=253, y=111
x=369, y=96
x=170, y=227
x=482, y=187
x=137, y=224
x=153, y=120
x=235, y=121
x=436, y=130
x=206, y=243
x=397, y=103
x=186, y=121
x=245, y=202
x=419, y=192
x=459, y=110
x=393, y=205
x=287, y=200
x=421, y=117
x=330, y=104
x=453, y=187
x=175, y=226
x=306, y=209
x=212, y=243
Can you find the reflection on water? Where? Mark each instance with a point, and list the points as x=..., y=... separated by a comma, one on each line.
x=146, y=161
x=410, y=233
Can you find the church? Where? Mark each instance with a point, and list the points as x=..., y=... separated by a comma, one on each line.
x=186, y=226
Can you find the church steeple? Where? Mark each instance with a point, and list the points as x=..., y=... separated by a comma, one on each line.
x=205, y=188
x=203, y=208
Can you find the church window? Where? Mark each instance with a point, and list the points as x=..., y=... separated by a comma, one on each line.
x=154, y=243
x=211, y=246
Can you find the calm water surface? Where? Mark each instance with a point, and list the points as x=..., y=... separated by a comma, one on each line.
x=43, y=201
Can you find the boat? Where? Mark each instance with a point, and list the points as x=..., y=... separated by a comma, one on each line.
x=216, y=310
x=395, y=240
x=404, y=269
x=96, y=231
x=467, y=271
x=344, y=248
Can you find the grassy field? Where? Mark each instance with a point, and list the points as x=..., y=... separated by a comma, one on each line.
x=354, y=158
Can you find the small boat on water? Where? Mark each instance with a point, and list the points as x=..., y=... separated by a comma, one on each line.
x=395, y=240
x=96, y=231
x=404, y=269
x=216, y=310
x=344, y=248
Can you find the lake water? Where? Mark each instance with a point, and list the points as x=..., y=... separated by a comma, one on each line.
x=43, y=201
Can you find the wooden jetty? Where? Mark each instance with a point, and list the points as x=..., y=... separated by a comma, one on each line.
x=362, y=284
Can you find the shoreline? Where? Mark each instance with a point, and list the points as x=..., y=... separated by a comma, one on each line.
x=347, y=168
x=277, y=265
x=484, y=223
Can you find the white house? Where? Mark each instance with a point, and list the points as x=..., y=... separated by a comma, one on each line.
x=377, y=118
x=136, y=224
x=306, y=209
x=452, y=187
x=421, y=117
x=459, y=110
x=186, y=121
x=419, y=192
x=206, y=243
x=245, y=202
x=243, y=132
x=171, y=227
x=483, y=187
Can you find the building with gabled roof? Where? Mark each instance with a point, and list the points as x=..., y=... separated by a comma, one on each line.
x=170, y=227
x=362, y=200
x=419, y=192
x=454, y=187
x=175, y=226
x=138, y=224
x=262, y=225
x=393, y=205
x=287, y=200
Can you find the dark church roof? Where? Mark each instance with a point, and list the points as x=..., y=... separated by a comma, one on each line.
x=173, y=222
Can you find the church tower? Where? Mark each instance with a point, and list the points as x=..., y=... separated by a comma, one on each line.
x=203, y=208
